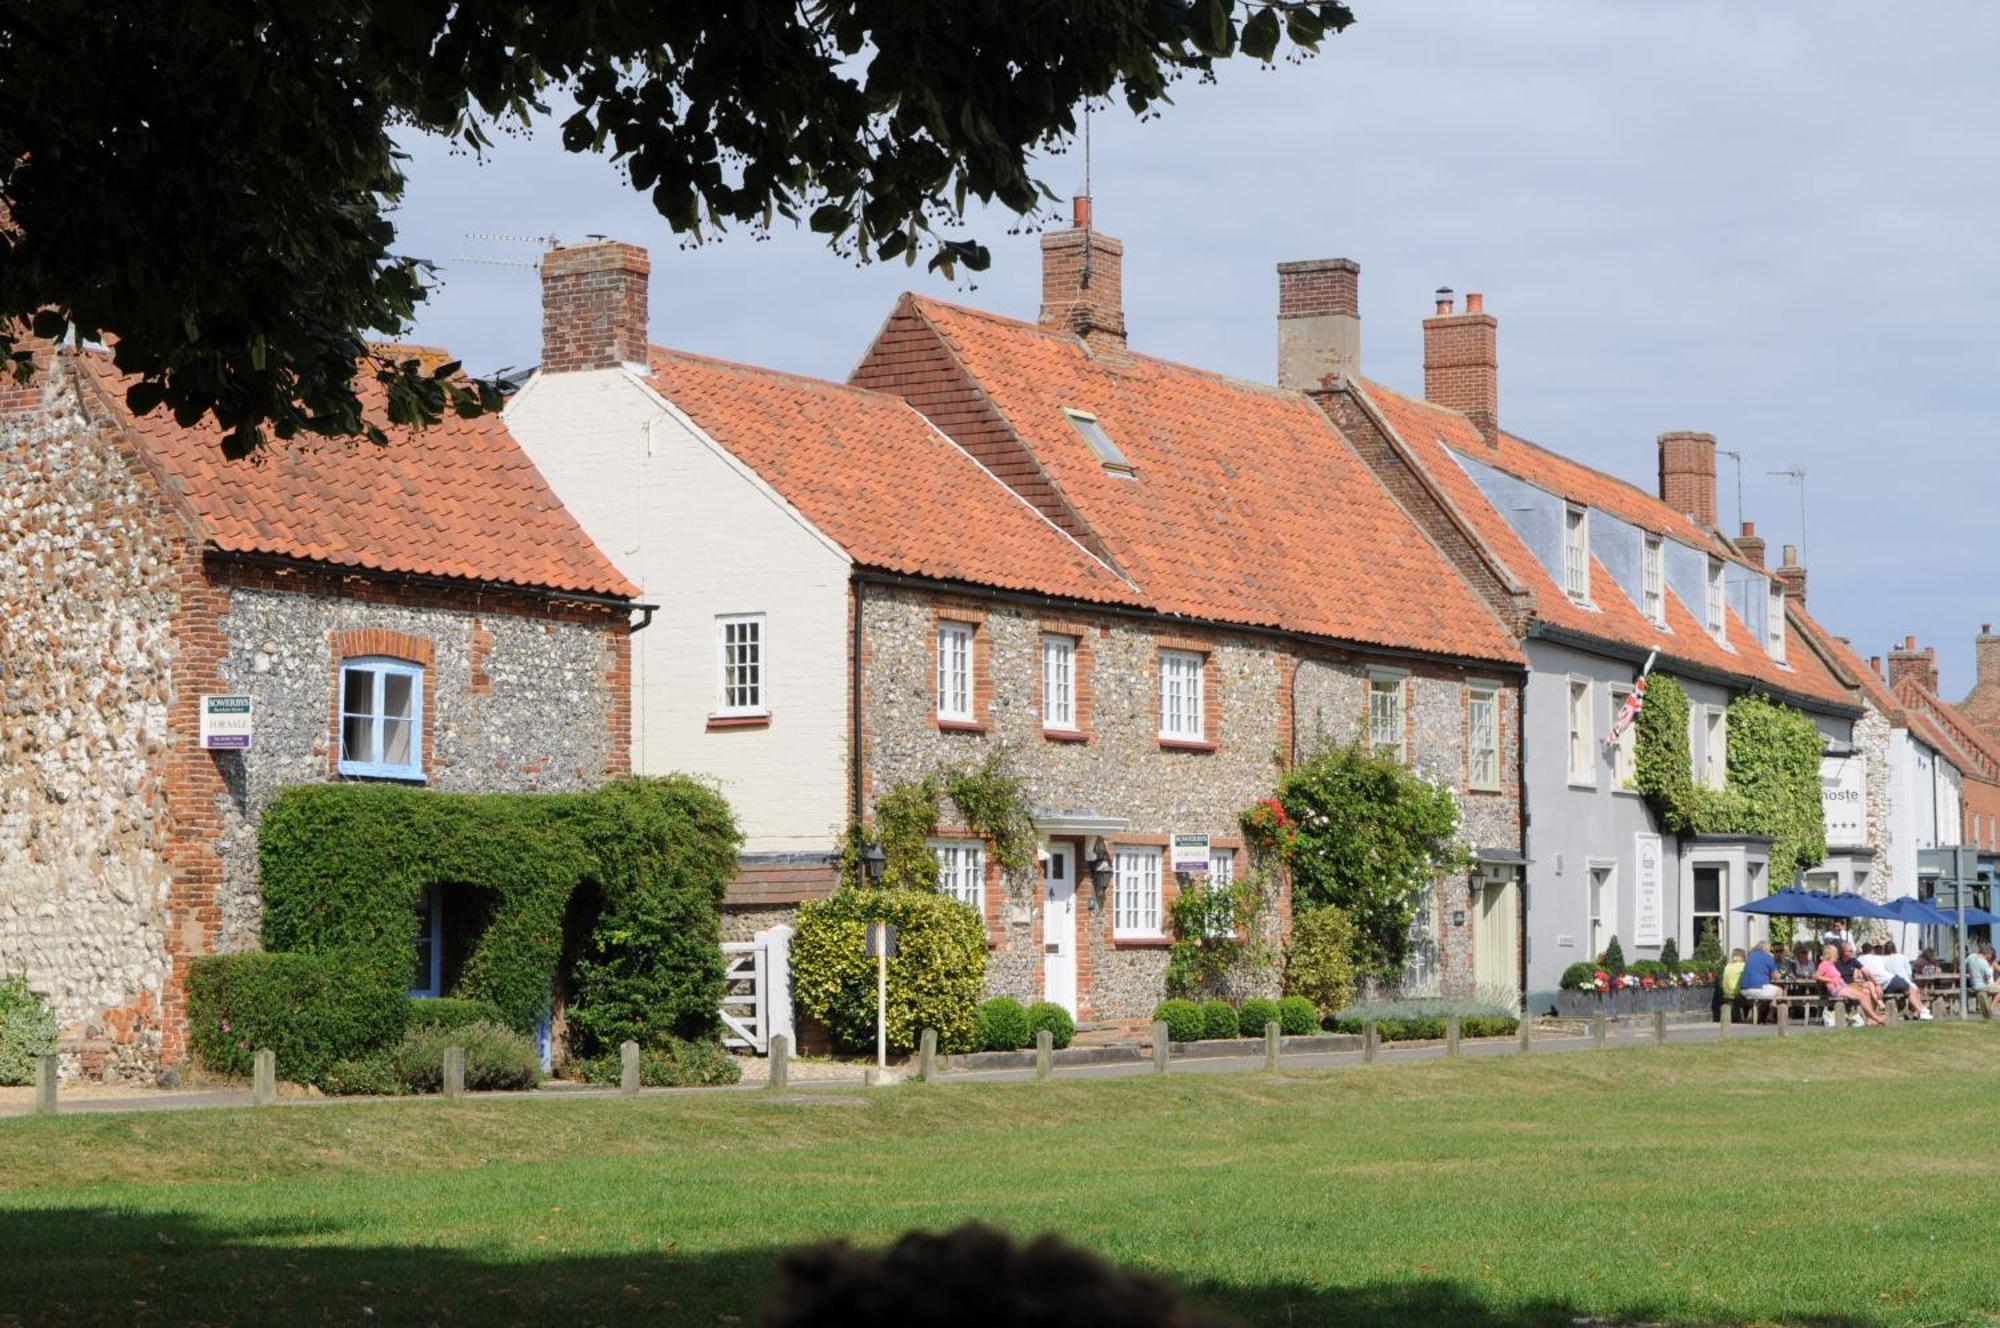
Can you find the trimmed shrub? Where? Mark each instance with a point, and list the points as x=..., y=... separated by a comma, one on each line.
x=1579, y=977
x=1297, y=1017
x=1422, y=1019
x=1613, y=958
x=496, y=1057
x=452, y=1012
x=1319, y=958
x=1256, y=1012
x=639, y=866
x=1182, y=1018
x=1049, y=1015
x=935, y=978
x=1670, y=953
x=1002, y=1025
x=678, y=1064
x=1218, y=1019
x=313, y=1011
x=27, y=1031
x=373, y=1075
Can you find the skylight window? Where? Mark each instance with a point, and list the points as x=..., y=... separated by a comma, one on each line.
x=1100, y=442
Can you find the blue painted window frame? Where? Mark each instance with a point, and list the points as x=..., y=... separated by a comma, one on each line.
x=430, y=940
x=382, y=667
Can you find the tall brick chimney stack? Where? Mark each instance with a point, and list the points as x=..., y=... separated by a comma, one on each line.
x=594, y=306
x=1462, y=360
x=1083, y=282
x=1687, y=475
x=1750, y=544
x=1319, y=323
x=1982, y=703
x=1791, y=574
x=1906, y=661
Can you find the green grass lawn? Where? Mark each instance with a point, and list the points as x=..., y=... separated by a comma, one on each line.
x=1684, y=1184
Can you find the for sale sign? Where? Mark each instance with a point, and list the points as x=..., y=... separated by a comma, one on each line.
x=226, y=723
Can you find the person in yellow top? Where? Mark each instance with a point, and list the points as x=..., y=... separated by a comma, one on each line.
x=1732, y=974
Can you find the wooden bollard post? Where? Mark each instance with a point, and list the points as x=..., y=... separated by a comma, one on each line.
x=45, y=1084
x=628, y=1066
x=1727, y=1022
x=1784, y=1018
x=1271, y=1033
x=1367, y=1041
x=781, y=1062
x=454, y=1072
x=264, y=1077
x=927, y=1055
x=1045, y=1053
x=1451, y=1036
x=1597, y=1029
x=1161, y=1048
x=1659, y=1028
x=1526, y=1033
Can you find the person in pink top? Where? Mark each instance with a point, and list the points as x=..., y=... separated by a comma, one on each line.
x=1860, y=994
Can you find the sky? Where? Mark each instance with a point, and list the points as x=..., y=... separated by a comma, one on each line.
x=1771, y=222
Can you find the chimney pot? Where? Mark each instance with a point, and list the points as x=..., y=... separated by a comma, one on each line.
x=1909, y=662
x=1687, y=475
x=594, y=306
x=1083, y=283
x=1462, y=362
x=1474, y=302
x=1444, y=299
x=1319, y=323
x=1751, y=543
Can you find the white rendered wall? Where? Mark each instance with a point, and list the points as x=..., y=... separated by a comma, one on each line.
x=702, y=536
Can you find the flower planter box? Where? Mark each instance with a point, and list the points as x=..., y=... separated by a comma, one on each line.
x=1584, y=1004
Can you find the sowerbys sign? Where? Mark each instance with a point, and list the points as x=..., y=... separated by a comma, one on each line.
x=226, y=723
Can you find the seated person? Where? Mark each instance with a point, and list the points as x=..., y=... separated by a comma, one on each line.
x=1925, y=964
x=1839, y=990
x=1759, y=979
x=1979, y=972
x=1891, y=973
x=1732, y=975
x=1805, y=961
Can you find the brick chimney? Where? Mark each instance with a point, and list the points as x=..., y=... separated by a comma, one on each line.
x=1982, y=703
x=1687, y=475
x=1750, y=544
x=594, y=306
x=1319, y=323
x=1083, y=282
x=1462, y=360
x=1791, y=574
x=1906, y=661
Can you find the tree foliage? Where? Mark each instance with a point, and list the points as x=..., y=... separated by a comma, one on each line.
x=991, y=801
x=212, y=180
x=1372, y=835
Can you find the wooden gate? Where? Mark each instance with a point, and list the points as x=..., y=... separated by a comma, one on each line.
x=757, y=990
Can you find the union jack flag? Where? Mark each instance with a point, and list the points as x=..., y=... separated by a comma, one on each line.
x=1634, y=703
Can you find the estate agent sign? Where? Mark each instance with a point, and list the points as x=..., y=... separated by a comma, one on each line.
x=225, y=723
x=1190, y=855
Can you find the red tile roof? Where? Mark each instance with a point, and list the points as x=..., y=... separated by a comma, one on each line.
x=1432, y=434
x=1244, y=504
x=459, y=499
x=873, y=475
x=1940, y=724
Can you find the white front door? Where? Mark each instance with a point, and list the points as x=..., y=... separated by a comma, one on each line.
x=1494, y=953
x=1059, y=926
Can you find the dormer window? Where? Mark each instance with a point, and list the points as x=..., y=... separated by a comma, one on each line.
x=1718, y=612
x=1653, y=581
x=1774, y=624
x=1576, y=554
x=1100, y=442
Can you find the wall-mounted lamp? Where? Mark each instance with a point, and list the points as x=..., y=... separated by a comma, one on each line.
x=873, y=863
x=1100, y=865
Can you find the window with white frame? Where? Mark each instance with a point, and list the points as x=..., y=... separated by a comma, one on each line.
x=1482, y=746
x=1653, y=581
x=739, y=664
x=1718, y=612
x=1221, y=875
x=1774, y=624
x=1181, y=695
x=1715, y=747
x=954, y=671
x=1603, y=908
x=1059, y=682
x=962, y=871
x=1580, y=769
x=1136, y=906
x=1420, y=954
x=1625, y=754
x=381, y=719
x=1385, y=717
x=1576, y=554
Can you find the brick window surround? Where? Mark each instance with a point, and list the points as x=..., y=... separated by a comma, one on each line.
x=992, y=895
x=1211, y=694
x=362, y=643
x=1169, y=891
x=1082, y=634
x=962, y=615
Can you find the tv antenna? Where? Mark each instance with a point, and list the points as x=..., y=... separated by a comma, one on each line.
x=543, y=242
x=1797, y=474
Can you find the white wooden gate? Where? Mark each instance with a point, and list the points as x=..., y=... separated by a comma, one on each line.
x=757, y=990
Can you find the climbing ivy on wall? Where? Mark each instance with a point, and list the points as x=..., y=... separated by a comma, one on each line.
x=1771, y=786
x=637, y=869
x=992, y=802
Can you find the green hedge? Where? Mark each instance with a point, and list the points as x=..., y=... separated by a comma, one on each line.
x=1001, y=1025
x=1256, y=1012
x=452, y=1012
x=313, y=1011
x=1218, y=1019
x=1424, y=1018
x=1049, y=1015
x=1183, y=1019
x=935, y=978
x=676, y=1064
x=344, y=866
x=1297, y=1016
x=27, y=1031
